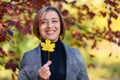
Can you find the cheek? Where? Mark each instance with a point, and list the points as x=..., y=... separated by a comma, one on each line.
x=59, y=29
x=41, y=30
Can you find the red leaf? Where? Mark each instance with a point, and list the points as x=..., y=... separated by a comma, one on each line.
x=119, y=42
x=2, y=33
x=37, y=4
x=2, y=38
x=13, y=78
x=111, y=2
x=92, y=56
x=85, y=7
x=117, y=10
x=1, y=49
x=117, y=34
x=11, y=65
x=91, y=65
x=103, y=13
x=73, y=2
x=112, y=14
x=80, y=14
x=12, y=23
x=26, y=30
x=91, y=14
x=107, y=1
x=94, y=45
x=3, y=10
x=17, y=59
x=1, y=56
x=9, y=10
x=3, y=53
x=65, y=12
x=77, y=35
x=110, y=54
x=109, y=35
x=109, y=22
x=18, y=26
x=12, y=53
x=11, y=61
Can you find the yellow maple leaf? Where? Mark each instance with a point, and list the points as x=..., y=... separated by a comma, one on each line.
x=48, y=46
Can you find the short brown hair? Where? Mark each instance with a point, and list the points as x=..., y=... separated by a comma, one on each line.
x=37, y=22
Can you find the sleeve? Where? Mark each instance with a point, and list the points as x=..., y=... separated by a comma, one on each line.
x=22, y=74
x=82, y=75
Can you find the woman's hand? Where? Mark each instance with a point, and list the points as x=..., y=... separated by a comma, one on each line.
x=44, y=71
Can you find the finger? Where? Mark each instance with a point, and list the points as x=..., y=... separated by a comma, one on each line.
x=45, y=75
x=48, y=63
x=44, y=69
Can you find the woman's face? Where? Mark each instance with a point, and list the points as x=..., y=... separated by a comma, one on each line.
x=49, y=27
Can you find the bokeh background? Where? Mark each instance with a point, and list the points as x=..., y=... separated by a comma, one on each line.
x=92, y=26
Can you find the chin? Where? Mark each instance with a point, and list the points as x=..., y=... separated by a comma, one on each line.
x=52, y=39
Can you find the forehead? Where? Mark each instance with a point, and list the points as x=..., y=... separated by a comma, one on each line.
x=50, y=14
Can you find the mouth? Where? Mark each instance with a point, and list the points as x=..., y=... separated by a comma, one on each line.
x=50, y=31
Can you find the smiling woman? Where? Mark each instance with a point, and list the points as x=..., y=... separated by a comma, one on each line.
x=64, y=63
x=51, y=20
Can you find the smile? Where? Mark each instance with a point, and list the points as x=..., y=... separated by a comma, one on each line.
x=50, y=31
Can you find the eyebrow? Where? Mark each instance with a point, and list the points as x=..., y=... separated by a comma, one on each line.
x=47, y=19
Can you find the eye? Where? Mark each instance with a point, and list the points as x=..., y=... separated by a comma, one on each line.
x=43, y=22
x=54, y=21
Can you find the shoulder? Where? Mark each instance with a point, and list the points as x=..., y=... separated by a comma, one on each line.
x=30, y=55
x=71, y=49
x=32, y=51
x=73, y=53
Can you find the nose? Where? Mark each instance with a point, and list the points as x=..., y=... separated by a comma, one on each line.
x=49, y=24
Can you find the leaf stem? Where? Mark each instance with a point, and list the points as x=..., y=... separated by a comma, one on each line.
x=48, y=55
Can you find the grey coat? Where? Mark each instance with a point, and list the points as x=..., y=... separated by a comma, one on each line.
x=31, y=62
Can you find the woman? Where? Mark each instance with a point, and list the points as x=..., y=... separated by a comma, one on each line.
x=65, y=62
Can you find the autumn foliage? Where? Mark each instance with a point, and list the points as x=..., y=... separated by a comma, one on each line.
x=17, y=15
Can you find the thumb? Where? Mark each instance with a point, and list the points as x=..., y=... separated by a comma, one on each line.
x=48, y=63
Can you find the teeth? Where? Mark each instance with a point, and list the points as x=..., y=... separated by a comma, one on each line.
x=50, y=32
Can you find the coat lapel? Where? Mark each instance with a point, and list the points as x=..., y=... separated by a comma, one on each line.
x=36, y=65
x=72, y=67
x=38, y=56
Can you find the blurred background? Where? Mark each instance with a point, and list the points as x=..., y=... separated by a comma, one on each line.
x=92, y=26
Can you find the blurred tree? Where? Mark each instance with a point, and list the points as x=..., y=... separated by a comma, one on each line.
x=85, y=20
